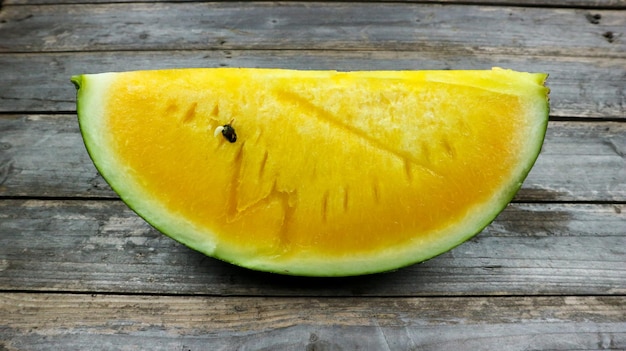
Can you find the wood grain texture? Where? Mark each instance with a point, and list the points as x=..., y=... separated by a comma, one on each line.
x=102, y=246
x=80, y=271
x=44, y=156
x=78, y=322
x=313, y=26
x=580, y=87
x=591, y=4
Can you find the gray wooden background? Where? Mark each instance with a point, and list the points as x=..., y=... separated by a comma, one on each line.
x=80, y=271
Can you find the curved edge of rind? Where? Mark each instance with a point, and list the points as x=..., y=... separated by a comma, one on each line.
x=90, y=96
x=304, y=268
x=393, y=263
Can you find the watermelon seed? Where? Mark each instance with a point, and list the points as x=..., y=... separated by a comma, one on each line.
x=227, y=131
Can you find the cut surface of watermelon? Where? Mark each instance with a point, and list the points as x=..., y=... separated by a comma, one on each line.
x=329, y=173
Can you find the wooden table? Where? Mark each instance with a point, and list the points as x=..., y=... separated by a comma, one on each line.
x=80, y=271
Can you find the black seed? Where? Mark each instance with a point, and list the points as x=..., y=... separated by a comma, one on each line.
x=229, y=133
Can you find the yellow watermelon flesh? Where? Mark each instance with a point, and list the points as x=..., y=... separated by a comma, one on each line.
x=331, y=174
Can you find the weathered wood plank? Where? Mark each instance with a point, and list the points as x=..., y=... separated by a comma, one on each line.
x=313, y=26
x=44, y=156
x=103, y=322
x=579, y=156
x=601, y=4
x=448, y=303
x=101, y=246
x=580, y=87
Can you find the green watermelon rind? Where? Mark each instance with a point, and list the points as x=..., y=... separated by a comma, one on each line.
x=90, y=109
